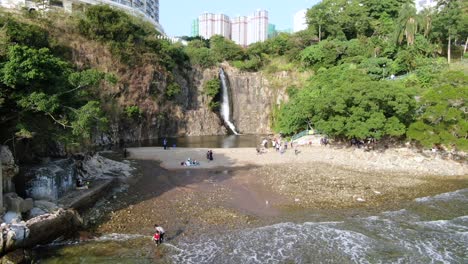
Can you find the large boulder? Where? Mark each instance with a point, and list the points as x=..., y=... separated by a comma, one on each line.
x=46, y=206
x=18, y=256
x=46, y=228
x=36, y=212
x=27, y=205
x=51, y=180
x=13, y=202
x=39, y=230
x=9, y=168
x=11, y=217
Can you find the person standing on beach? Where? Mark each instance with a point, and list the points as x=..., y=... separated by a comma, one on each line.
x=165, y=143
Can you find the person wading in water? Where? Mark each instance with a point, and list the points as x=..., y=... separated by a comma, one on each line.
x=161, y=232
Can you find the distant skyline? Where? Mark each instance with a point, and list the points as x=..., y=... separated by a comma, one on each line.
x=176, y=16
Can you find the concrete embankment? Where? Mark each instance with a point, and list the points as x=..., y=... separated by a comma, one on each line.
x=46, y=220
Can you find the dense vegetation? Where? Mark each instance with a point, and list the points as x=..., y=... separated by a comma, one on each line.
x=379, y=67
x=361, y=48
x=212, y=90
x=379, y=70
x=39, y=89
x=44, y=95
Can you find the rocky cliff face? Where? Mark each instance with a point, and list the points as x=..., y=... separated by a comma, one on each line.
x=254, y=97
x=8, y=168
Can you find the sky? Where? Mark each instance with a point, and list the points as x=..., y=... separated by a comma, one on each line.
x=176, y=16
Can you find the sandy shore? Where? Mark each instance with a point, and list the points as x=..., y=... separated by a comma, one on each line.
x=393, y=160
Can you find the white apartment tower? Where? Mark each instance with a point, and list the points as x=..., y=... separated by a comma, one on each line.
x=145, y=9
x=300, y=22
x=239, y=30
x=214, y=24
x=257, y=27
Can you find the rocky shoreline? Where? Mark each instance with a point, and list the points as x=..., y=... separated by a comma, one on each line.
x=51, y=211
x=254, y=190
x=239, y=189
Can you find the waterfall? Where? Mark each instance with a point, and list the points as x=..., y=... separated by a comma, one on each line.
x=226, y=103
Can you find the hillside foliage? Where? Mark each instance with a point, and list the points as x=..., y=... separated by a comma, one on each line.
x=380, y=69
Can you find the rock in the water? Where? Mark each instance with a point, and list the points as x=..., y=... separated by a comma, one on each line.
x=27, y=205
x=98, y=166
x=11, y=217
x=16, y=257
x=21, y=232
x=13, y=202
x=10, y=239
x=46, y=228
x=9, y=169
x=46, y=206
x=36, y=212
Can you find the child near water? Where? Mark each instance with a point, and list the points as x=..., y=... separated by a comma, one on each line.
x=156, y=238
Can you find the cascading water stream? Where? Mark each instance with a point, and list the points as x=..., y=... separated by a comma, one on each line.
x=225, y=102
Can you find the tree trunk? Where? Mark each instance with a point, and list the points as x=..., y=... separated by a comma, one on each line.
x=448, y=49
x=320, y=32
x=466, y=44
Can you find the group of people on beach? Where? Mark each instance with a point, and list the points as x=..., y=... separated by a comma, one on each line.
x=158, y=236
x=209, y=155
x=277, y=143
x=190, y=162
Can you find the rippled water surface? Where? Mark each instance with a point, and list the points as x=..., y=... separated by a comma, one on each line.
x=429, y=230
x=227, y=141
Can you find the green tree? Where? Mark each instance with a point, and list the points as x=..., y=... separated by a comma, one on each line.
x=223, y=49
x=87, y=118
x=212, y=90
x=325, y=54
x=447, y=22
x=343, y=102
x=173, y=89
x=133, y=112
x=24, y=34
x=317, y=18
x=443, y=118
x=27, y=67
x=407, y=24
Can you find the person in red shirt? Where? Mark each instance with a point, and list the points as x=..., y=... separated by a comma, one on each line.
x=157, y=237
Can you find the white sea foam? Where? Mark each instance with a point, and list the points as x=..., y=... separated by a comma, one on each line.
x=456, y=195
x=120, y=237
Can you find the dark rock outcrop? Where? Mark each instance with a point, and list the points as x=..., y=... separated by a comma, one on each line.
x=38, y=230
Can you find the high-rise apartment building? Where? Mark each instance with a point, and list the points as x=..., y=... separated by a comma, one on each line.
x=300, y=22
x=257, y=27
x=272, y=31
x=242, y=30
x=195, y=28
x=214, y=24
x=146, y=9
x=239, y=30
